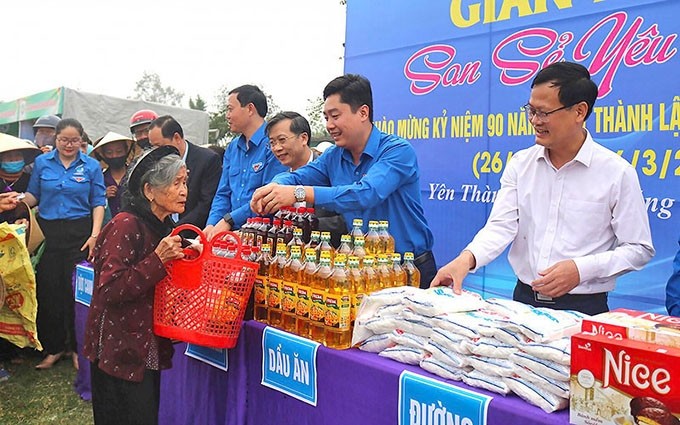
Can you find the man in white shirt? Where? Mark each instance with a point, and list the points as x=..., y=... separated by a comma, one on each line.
x=572, y=209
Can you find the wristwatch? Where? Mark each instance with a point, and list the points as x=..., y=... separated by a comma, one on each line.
x=300, y=194
x=230, y=221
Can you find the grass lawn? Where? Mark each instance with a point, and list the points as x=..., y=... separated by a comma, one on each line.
x=31, y=396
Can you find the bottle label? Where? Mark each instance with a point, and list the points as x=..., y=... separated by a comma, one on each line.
x=260, y=288
x=317, y=310
x=303, y=302
x=288, y=297
x=338, y=311
x=274, y=293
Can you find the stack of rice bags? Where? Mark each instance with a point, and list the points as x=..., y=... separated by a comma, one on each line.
x=498, y=345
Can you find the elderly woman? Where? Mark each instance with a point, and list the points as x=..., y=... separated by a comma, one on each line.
x=68, y=188
x=129, y=261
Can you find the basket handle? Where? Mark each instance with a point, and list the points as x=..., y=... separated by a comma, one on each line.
x=207, y=245
x=231, y=235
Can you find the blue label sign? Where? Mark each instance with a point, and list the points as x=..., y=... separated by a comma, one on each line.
x=289, y=364
x=216, y=357
x=84, y=284
x=425, y=401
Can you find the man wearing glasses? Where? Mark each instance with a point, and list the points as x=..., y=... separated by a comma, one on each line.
x=248, y=161
x=572, y=209
x=289, y=134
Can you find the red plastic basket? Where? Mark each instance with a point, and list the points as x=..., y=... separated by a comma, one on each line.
x=202, y=300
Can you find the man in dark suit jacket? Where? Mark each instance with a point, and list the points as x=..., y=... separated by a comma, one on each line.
x=204, y=166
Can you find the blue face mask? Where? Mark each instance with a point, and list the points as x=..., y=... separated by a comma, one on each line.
x=12, y=167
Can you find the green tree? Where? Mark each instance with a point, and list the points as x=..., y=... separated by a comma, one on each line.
x=198, y=103
x=150, y=88
x=316, y=119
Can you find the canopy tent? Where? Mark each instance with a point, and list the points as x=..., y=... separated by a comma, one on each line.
x=98, y=113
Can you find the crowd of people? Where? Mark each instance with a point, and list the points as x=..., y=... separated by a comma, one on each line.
x=572, y=210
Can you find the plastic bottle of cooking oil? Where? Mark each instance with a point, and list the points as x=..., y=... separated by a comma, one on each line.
x=325, y=245
x=317, y=312
x=412, y=272
x=339, y=307
x=296, y=240
x=399, y=275
x=372, y=239
x=275, y=282
x=386, y=240
x=357, y=228
x=370, y=274
x=385, y=274
x=261, y=284
x=292, y=275
x=345, y=247
x=314, y=240
x=359, y=250
x=358, y=282
x=304, y=299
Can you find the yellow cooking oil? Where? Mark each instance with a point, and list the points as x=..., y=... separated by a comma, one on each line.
x=358, y=284
x=372, y=239
x=386, y=240
x=292, y=274
x=385, y=274
x=412, y=272
x=261, y=284
x=370, y=274
x=398, y=273
x=339, y=307
x=274, y=287
x=317, y=311
x=304, y=296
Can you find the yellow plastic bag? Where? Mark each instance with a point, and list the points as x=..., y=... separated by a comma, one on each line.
x=18, y=312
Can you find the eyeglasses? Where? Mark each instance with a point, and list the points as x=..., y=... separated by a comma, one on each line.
x=70, y=141
x=542, y=116
x=281, y=140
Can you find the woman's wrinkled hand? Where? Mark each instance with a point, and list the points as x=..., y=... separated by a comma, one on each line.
x=170, y=248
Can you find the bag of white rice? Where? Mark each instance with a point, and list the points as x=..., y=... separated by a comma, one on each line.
x=510, y=336
x=408, y=355
x=447, y=356
x=442, y=300
x=414, y=323
x=534, y=395
x=490, y=347
x=559, y=388
x=509, y=308
x=491, y=383
x=407, y=339
x=558, y=351
x=377, y=343
x=450, y=340
x=491, y=366
x=543, y=367
x=545, y=324
x=442, y=369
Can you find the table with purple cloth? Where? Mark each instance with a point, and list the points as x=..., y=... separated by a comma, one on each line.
x=354, y=387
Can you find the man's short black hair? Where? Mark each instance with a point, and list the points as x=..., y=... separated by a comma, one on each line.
x=168, y=125
x=249, y=93
x=354, y=90
x=298, y=123
x=572, y=81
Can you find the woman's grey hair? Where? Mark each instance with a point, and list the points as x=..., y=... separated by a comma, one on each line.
x=163, y=173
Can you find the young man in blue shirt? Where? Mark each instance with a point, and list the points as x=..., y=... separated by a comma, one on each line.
x=368, y=174
x=248, y=161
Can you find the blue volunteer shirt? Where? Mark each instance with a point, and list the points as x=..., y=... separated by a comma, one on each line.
x=673, y=288
x=243, y=171
x=67, y=193
x=384, y=186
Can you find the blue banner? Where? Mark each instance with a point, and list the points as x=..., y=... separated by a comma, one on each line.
x=289, y=364
x=84, y=276
x=216, y=357
x=451, y=75
x=425, y=401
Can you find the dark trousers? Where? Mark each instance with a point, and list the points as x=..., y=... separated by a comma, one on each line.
x=428, y=268
x=117, y=401
x=54, y=276
x=585, y=303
